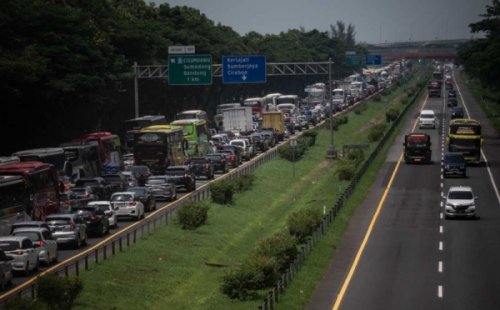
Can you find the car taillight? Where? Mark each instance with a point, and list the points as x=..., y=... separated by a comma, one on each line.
x=86, y=195
x=18, y=252
x=133, y=203
x=41, y=243
x=71, y=225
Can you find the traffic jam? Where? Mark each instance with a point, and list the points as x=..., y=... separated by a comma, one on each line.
x=59, y=200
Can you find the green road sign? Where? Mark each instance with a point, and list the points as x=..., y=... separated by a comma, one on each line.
x=190, y=69
x=353, y=60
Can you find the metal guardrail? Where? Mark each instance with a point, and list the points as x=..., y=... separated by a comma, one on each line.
x=273, y=296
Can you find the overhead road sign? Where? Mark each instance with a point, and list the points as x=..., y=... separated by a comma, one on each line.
x=244, y=69
x=181, y=49
x=190, y=69
x=373, y=60
x=353, y=59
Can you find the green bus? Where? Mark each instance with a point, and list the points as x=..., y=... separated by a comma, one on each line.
x=195, y=134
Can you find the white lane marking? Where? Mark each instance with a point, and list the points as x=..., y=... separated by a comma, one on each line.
x=440, y=291
x=441, y=229
x=441, y=215
x=441, y=242
x=440, y=266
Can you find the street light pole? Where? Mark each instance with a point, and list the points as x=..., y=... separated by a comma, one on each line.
x=136, y=91
x=330, y=153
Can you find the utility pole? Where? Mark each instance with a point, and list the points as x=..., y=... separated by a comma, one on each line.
x=330, y=153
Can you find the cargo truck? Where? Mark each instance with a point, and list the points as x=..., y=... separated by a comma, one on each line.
x=275, y=121
x=417, y=148
x=237, y=119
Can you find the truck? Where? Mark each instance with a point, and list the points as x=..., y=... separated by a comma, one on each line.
x=339, y=99
x=434, y=89
x=275, y=121
x=237, y=119
x=417, y=148
x=464, y=135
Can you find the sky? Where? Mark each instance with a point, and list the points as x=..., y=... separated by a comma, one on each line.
x=375, y=21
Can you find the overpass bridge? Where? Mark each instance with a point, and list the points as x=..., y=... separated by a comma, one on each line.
x=433, y=49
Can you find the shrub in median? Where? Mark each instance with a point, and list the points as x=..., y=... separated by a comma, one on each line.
x=221, y=192
x=283, y=247
x=193, y=214
x=391, y=115
x=310, y=135
x=241, y=283
x=287, y=152
x=356, y=155
x=301, y=224
x=346, y=169
x=244, y=182
x=58, y=292
x=376, y=132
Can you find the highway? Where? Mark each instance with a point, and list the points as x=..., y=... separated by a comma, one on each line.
x=399, y=252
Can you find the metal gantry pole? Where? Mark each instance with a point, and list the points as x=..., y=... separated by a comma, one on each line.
x=136, y=90
x=330, y=153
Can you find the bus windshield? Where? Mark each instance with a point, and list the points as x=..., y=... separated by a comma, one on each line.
x=14, y=202
x=465, y=129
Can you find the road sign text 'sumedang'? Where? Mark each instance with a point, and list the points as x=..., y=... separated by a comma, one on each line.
x=244, y=69
x=190, y=69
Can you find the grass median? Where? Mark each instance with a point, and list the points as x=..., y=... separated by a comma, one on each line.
x=183, y=269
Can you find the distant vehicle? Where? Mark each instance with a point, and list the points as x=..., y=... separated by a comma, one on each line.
x=452, y=102
x=203, y=166
x=127, y=204
x=417, y=148
x=464, y=135
x=81, y=196
x=434, y=89
x=257, y=105
x=457, y=112
x=44, y=244
x=196, y=135
x=101, y=187
x=132, y=126
x=192, y=114
x=108, y=209
x=237, y=119
x=219, y=161
x=38, y=195
x=460, y=202
x=23, y=252
x=454, y=164
x=68, y=228
x=140, y=173
x=182, y=176
x=274, y=120
x=49, y=155
x=84, y=159
x=118, y=181
x=159, y=146
x=161, y=187
x=427, y=119
x=144, y=195
x=96, y=220
x=110, y=149
x=15, y=202
x=5, y=270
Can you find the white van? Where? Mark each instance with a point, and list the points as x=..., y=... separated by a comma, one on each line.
x=427, y=119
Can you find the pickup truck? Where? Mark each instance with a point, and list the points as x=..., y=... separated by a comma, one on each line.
x=182, y=176
x=202, y=166
x=245, y=145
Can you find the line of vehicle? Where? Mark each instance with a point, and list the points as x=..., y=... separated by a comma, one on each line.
x=492, y=179
x=373, y=221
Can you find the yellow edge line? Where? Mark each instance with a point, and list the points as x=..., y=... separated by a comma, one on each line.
x=361, y=249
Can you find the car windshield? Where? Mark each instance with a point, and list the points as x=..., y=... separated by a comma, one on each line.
x=58, y=220
x=140, y=191
x=455, y=159
x=461, y=195
x=426, y=116
x=9, y=245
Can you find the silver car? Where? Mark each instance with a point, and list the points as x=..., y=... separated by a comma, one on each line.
x=44, y=244
x=460, y=202
x=23, y=252
x=68, y=228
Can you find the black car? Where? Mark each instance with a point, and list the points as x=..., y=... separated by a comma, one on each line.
x=162, y=187
x=118, y=181
x=95, y=218
x=80, y=196
x=141, y=173
x=182, y=176
x=457, y=112
x=454, y=165
x=202, y=167
x=99, y=185
x=220, y=162
x=146, y=195
x=452, y=102
x=452, y=93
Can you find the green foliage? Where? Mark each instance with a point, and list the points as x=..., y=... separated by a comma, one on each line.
x=241, y=283
x=310, y=136
x=356, y=155
x=282, y=247
x=302, y=223
x=376, y=132
x=345, y=169
x=24, y=303
x=244, y=182
x=293, y=154
x=57, y=292
x=222, y=191
x=391, y=115
x=377, y=98
x=193, y=215
x=339, y=120
x=360, y=108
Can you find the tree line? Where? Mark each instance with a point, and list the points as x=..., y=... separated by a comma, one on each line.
x=66, y=65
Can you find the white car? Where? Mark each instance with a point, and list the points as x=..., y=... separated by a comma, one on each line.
x=45, y=245
x=23, y=252
x=460, y=202
x=126, y=204
x=108, y=210
x=427, y=119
